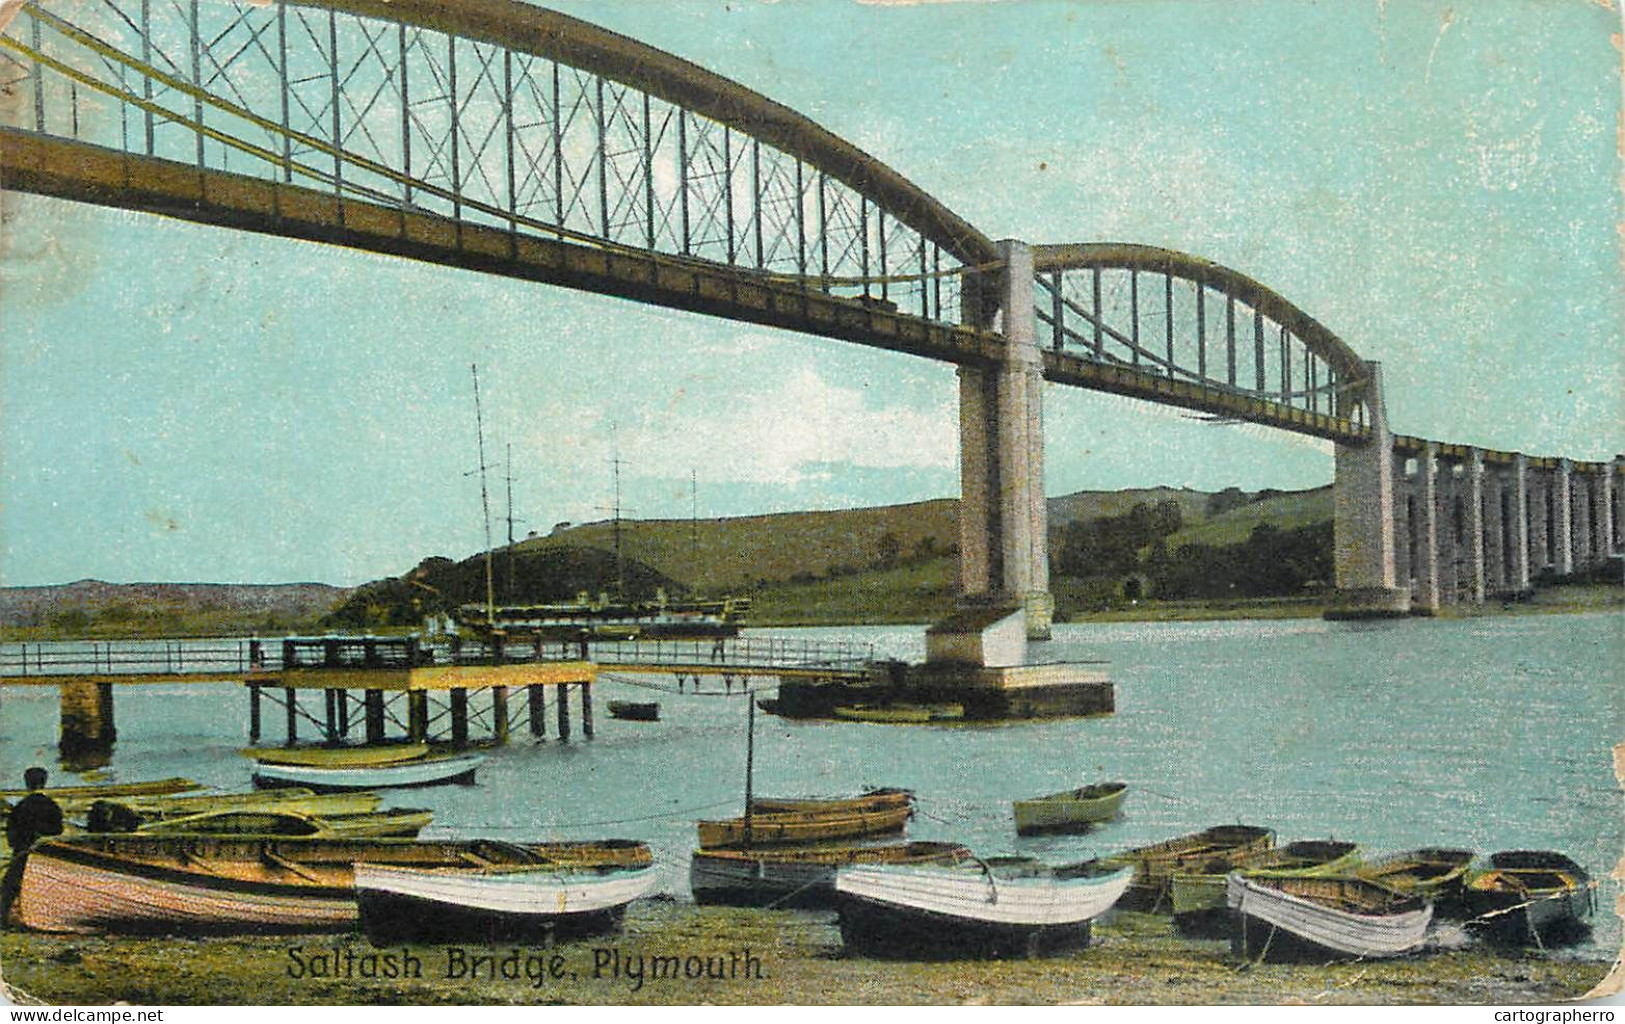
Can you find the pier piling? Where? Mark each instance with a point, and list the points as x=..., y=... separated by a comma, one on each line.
x=499, y=713
x=417, y=716
x=564, y=714
x=537, y=695
x=586, y=710
x=253, y=712
x=459, y=718
x=292, y=708
x=374, y=709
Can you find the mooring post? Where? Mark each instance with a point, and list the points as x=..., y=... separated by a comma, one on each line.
x=253, y=712
x=459, y=717
x=374, y=704
x=586, y=710
x=330, y=714
x=86, y=711
x=292, y=707
x=564, y=712
x=417, y=716
x=537, y=695
x=499, y=713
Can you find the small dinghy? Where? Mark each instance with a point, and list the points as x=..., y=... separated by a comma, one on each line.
x=869, y=800
x=427, y=771
x=1072, y=810
x=786, y=827
x=1155, y=865
x=1320, y=917
x=635, y=710
x=1197, y=892
x=490, y=902
x=1437, y=874
x=1011, y=907
x=1530, y=897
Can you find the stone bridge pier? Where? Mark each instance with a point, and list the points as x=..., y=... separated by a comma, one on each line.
x=1365, y=548
x=1003, y=523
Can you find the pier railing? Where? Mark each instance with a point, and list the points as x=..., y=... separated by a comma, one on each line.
x=237, y=657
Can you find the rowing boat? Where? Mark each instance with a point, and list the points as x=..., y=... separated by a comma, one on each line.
x=428, y=771
x=1155, y=865
x=138, y=883
x=900, y=714
x=1435, y=873
x=803, y=877
x=1016, y=907
x=1197, y=891
x=635, y=710
x=869, y=800
x=1071, y=810
x=1316, y=917
x=1530, y=897
x=400, y=823
x=128, y=815
x=338, y=757
x=802, y=827
x=74, y=799
x=476, y=903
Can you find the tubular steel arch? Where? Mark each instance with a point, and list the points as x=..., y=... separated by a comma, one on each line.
x=1165, y=325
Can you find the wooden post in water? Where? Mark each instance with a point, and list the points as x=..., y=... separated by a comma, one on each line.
x=374, y=704
x=417, y=716
x=537, y=694
x=564, y=712
x=499, y=713
x=344, y=711
x=459, y=717
x=253, y=712
x=586, y=710
x=330, y=721
x=291, y=705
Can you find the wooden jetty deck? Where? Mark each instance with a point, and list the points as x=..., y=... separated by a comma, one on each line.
x=449, y=689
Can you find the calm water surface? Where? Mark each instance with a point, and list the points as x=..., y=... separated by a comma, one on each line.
x=1489, y=734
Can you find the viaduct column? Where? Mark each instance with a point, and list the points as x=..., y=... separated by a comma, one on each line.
x=1003, y=522
x=1616, y=506
x=1602, y=504
x=1472, y=527
x=1449, y=532
x=1562, y=520
x=1495, y=553
x=1425, y=528
x=1363, y=516
x=1580, y=524
x=1518, y=533
x=1540, y=506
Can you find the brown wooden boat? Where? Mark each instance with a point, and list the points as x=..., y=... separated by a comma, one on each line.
x=1155, y=865
x=138, y=883
x=77, y=799
x=128, y=815
x=799, y=877
x=396, y=823
x=339, y=757
x=781, y=828
x=1433, y=872
x=869, y=800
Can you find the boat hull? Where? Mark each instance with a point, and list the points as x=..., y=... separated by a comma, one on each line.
x=441, y=905
x=1437, y=874
x=634, y=711
x=956, y=913
x=803, y=879
x=426, y=772
x=874, y=800
x=802, y=827
x=1530, y=897
x=1069, y=812
x=1198, y=898
x=1278, y=925
x=1155, y=865
x=65, y=895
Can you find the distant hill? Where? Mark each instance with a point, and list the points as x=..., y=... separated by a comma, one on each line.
x=96, y=608
x=890, y=563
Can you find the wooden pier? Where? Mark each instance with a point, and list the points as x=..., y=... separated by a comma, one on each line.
x=374, y=689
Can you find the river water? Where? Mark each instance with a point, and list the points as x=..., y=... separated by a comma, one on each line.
x=1489, y=733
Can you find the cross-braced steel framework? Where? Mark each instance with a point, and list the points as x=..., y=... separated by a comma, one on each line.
x=515, y=140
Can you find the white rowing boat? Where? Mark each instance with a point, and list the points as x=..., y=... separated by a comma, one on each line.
x=429, y=771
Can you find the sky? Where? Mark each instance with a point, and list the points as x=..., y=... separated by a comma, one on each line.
x=1437, y=183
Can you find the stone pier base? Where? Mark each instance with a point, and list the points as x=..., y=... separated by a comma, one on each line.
x=986, y=694
x=1369, y=603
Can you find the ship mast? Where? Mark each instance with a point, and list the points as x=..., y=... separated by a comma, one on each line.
x=485, y=504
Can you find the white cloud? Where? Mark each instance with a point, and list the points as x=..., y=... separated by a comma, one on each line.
x=791, y=429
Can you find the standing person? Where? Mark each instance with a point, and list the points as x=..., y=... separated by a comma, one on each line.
x=34, y=817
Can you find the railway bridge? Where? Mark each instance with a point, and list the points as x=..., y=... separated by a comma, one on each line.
x=503, y=138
